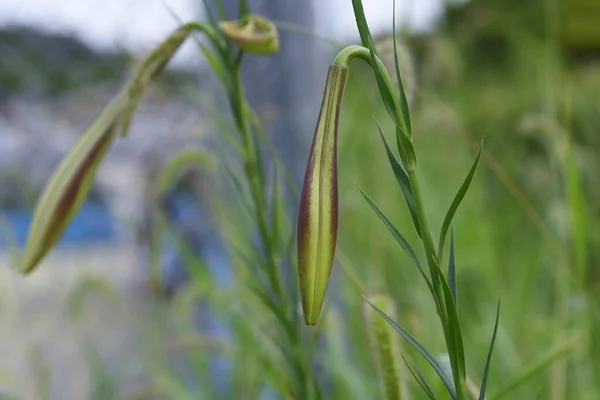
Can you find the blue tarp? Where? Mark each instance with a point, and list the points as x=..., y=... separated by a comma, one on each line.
x=93, y=224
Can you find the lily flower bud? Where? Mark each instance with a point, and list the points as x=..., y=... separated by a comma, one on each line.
x=71, y=182
x=318, y=214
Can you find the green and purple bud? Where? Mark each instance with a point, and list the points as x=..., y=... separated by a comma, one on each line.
x=72, y=180
x=318, y=214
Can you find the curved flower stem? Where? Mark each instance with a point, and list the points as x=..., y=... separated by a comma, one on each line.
x=410, y=162
x=343, y=58
x=239, y=107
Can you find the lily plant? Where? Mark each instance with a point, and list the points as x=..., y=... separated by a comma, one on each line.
x=318, y=212
x=317, y=221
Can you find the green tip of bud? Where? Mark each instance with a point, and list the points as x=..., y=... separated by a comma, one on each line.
x=318, y=213
x=253, y=34
x=65, y=192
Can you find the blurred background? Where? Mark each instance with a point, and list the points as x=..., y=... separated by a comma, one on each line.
x=91, y=323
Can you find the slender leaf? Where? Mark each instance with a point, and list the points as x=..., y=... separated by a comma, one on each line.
x=414, y=371
x=275, y=309
x=397, y=235
x=244, y=9
x=488, y=361
x=399, y=238
x=403, y=100
x=276, y=210
x=577, y=209
x=452, y=269
x=379, y=71
x=209, y=14
x=419, y=347
x=403, y=242
x=220, y=10
x=456, y=350
x=539, y=365
x=361, y=23
x=403, y=181
x=457, y=200
x=213, y=61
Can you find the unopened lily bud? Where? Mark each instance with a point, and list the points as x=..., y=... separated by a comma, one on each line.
x=71, y=182
x=69, y=185
x=318, y=214
x=254, y=34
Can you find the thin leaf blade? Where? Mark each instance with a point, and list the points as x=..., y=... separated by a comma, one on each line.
x=457, y=200
x=452, y=269
x=488, y=361
x=420, y=348
x=403, y=181
x=418, y=376
x=403, y=99
x=454, y=332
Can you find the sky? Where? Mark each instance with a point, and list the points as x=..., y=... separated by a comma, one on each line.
x=136, y=25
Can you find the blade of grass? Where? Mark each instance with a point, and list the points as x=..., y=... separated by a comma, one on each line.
x=385, y=90
x=418, y=376
x=399, y=238
x=244, y=9
x=403, y=100
x=457, y=200
x=452, y=269
x=488, y=361
x=403, y=181
x=419, y=347
x=538, y=366
x=454, y=334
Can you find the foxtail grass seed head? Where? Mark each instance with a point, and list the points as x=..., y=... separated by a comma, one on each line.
x=253, y=34
x=318, y=213
x=385, y=346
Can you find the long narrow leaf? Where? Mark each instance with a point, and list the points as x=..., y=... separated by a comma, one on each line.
x=419, y=347
x=414, y=371
x=397, y=235
x=403, y=181
x=403, y=243
x=399, y=238
x=457, y=200
x=456, y=346
x=452, y=269
x=209, y=14
x=488, y=361
x=379, y=71
x=244, y=9
x=403, y=100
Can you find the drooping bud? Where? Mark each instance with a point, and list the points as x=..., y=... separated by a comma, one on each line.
x=318, y=214
x=254, y=34
x=69, y=185
x=71, y=182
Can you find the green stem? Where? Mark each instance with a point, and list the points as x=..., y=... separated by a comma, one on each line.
x=427, y=241
x=238, y=103
x=349, y=53
x=409, y=159
x=429, y=248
